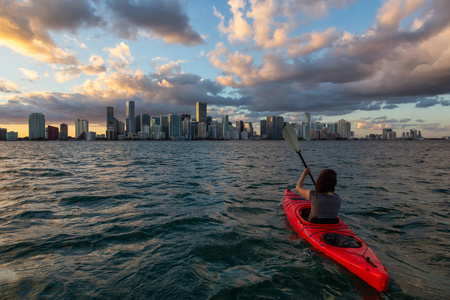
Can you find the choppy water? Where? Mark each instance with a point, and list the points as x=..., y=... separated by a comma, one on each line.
x=203, y=220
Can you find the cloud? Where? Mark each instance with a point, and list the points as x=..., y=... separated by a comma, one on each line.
x=7, y=86
x=121, y=52
x=21, y=31
x=335, y=72
x=30, y=74
x=25, y=25
x=238, y=29
x=95, y=66
x=165, y=19
x=427, y=102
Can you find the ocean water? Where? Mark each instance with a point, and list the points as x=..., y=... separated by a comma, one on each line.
x=204, y=219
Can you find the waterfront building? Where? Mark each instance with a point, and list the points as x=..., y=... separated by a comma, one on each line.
x=385, y=132
x=138, y=123
x=194, y=130
x=225, y=122
x=110, y=118
x=174, y=126
x=3, y=132
x=111, y=135
x=201, y=112
x=274, y=127
x=244, y=135
x=80, y=127
x=263, y=128
x=164, y=122
x=144, y=120
x=186, y=129
x=36, y=126
x=315, y=134
x=212, y=131
x=156, y=121
x=52, y=133
x=240, y=126
x=63, y=131
x=130, y=117
x=156, y=133
x=249, y=128
x=202, y=130
x=12, y=136
x=91, y=135
x=344, y=129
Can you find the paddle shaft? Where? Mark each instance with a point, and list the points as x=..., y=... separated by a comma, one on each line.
x=304, y=163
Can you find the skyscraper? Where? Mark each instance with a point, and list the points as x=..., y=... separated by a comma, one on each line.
x=274, y=125
x=307, y=126
x=80, y=127
x=201, y=109
x=174, y=125
x=144, y=121
x=344, y=129
x=3, y=132
x=63, y=132
x=36, y=126
x=130, y=117
x=249, y=128
x=52, y=133
x=263, y=128
x=109, y=118
x=163, y=121
x=239, y=126
x=224, y=125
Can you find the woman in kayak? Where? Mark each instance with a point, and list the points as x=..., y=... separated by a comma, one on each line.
x=325, y=204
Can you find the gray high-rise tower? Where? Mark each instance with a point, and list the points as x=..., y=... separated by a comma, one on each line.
x=201, y=110
x=36, y=126
x=131, y=118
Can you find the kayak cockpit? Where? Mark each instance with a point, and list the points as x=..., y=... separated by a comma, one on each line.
x=303, y=215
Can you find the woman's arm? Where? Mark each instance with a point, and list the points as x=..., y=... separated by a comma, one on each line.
x=299, y=188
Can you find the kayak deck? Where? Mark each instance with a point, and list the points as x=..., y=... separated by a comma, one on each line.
x=337, y=241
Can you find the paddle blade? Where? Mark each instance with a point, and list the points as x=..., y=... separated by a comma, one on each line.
x=290, y=137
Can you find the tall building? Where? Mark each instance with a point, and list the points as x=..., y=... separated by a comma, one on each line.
x=63, y=132
x=52, y=133
x=249, y=128
x=385, y=132
x=174, y=125
x=344, y=129
x=144, y=121
x=307, y=126
x=274, y=127
x=156, y=121
x=80, y=127
x=186, y=128
x=164, y=122
x=201, y=109
x=130, y=117
x=263, y=128
x=224, y=125
x=3, y=132
x=239, y=126
x=110, y=118
x=138, y=123
x=36, y=126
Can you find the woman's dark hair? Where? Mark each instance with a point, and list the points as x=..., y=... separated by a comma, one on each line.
x=326, y=182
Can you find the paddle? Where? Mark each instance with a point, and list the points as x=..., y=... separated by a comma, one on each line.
x=291, y=138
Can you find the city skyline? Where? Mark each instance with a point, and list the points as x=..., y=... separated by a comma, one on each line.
x=377, y=64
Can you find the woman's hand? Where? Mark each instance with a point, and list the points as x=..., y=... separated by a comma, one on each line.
x=306, y=172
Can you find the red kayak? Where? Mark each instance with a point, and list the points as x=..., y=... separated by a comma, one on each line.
x=336, y=241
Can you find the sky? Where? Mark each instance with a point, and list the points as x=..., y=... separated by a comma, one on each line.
x=377, y=64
